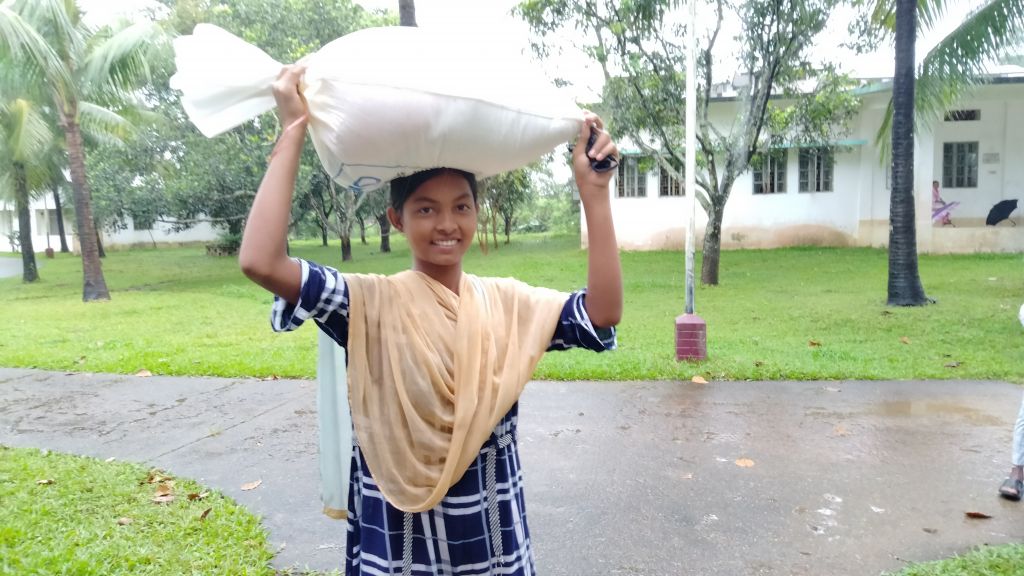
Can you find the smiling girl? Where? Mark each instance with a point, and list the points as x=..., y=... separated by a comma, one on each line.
x=437, y=358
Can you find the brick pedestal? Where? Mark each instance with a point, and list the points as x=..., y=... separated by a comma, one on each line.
x=691, y=337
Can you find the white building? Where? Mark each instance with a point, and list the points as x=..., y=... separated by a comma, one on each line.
x=45, y=231
x=840, y=196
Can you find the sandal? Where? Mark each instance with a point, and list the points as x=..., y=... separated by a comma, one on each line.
x=1012, y=489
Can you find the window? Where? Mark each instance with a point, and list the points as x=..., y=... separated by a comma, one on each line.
x=963, y=116
x=770, y=172
x=669, y=185
x=960, y=165
x=632, y=182
x=46, y=221
x=816, y=167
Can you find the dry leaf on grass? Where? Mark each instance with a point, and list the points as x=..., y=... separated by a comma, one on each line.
x=698, y=380
x=197, y=496
x=204, y=514
x=124, y=521
x=745, y=463
x=144, y=373
x=165, y=488
x=163, y=499
x=109, y=460
x=251, y=485
x=977, y=515
x=904, y=340
x=45, y=481
x=953, y=364
x=813, y=344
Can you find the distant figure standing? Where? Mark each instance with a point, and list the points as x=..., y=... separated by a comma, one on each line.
x=1013, y=486
x=941, y=210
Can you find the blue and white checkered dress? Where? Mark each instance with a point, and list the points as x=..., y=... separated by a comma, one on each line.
x=479, y=528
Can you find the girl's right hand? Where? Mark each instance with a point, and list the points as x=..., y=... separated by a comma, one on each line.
x=291, y=105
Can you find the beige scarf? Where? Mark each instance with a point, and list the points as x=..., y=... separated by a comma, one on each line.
x=431, y=373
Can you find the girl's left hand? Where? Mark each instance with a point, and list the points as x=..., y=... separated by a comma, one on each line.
x=589, y=181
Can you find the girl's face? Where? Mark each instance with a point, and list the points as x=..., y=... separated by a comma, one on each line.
x=439, y=220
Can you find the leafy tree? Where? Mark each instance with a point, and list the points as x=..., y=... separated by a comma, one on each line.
x=505, y=195
x=644, y=68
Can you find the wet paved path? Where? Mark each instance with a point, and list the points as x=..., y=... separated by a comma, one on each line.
x=637, y=478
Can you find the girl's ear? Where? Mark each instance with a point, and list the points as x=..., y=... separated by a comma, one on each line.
x=395, y=218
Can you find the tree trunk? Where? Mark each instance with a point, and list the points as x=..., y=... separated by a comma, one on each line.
x=323, y=234
x=712, y=250
x=385, y=232
x=362, y=230
x=94, y=285
x=28, y=255
x=406, y=13
x=99, y=243
x=508, y=229
x=60, y=220
x=905, y=287
x=346, y=249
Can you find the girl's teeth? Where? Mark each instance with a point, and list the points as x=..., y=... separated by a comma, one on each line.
x=446, y=242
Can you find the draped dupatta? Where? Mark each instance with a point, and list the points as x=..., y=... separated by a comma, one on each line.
x=432, y=372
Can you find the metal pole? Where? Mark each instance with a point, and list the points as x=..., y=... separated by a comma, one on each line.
x=691, y=150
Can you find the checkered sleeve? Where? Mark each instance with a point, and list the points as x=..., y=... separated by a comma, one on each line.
x=323, y=297
x=575, y=330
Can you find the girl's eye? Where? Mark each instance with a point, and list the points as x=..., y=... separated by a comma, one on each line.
x=425, y=210
x=463, y=207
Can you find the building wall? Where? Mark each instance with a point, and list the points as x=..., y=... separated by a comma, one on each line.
x=43, y=210
x=857, y=211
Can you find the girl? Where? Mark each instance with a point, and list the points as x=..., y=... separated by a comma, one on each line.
x=437, y=358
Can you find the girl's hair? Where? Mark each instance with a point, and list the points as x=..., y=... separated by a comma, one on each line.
x=404, y=186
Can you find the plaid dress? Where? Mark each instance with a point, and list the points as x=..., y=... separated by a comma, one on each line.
x=479, y=528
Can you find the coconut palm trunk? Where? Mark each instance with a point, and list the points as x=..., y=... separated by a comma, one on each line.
x=905, y=287
x=94, y=286
x=30, y=272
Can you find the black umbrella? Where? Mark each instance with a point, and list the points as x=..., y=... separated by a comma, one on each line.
x=1001, y=211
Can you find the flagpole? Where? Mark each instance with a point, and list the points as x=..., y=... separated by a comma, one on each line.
x=691, y=330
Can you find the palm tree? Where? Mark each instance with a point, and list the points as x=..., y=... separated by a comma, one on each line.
x=25, y=138
x=77, y=62
x=948, y=72
x=905, y=287
x=406, y=13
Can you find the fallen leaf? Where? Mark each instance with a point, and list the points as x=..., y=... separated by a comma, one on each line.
x=745, y=463
x=144, y=373
x=831, y=389
x=953, y=364
x=163, y=499
x=272, y=377
x=886, y=313
x=813, y=344
x=698, y=380
x=197, y=496
x=688, y=476
x=124, y=521
x=111, y=459
x=840, y=430
x=758, y=363
x=904, y=339
x=165, y=488
x=931, y=530
x=45, y=481
x=251, y=485
x=204, y=514
x=977, y=515
x=156, y=477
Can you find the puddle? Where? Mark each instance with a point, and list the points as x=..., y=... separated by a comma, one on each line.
x=910, y=408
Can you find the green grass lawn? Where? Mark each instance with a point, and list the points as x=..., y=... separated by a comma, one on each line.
x=805, y=313
x=66, y=514
x=995, y=561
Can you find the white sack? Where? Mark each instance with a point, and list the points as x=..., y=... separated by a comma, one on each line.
x=384, y=102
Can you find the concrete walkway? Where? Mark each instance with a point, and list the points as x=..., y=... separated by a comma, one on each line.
x=841, y=478
x=10, y=267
